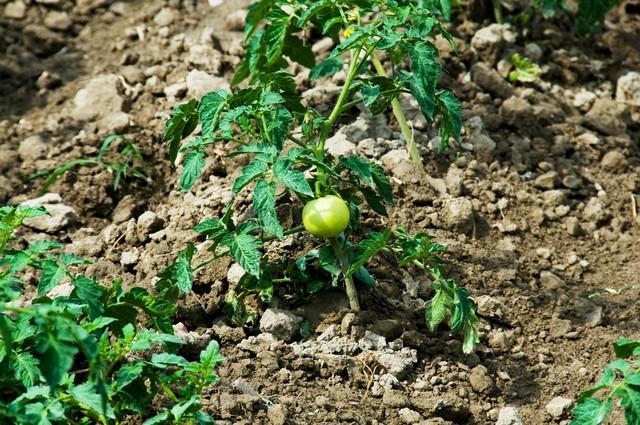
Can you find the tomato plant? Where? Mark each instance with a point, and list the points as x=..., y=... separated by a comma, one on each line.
x=285, y=142
x=82, y=357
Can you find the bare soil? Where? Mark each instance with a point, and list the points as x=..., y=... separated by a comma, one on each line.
x=545, y=181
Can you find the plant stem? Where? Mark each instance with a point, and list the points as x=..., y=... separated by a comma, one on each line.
x=412, y=149
x=352, y=293
x=335, y=113
x=497, y=11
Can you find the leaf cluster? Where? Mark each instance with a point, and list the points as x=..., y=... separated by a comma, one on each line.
x=81, y=356
x=619, y=385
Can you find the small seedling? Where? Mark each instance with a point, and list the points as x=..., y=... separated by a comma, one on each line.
x=525, y=71
x=127, y=162
x=618, y=386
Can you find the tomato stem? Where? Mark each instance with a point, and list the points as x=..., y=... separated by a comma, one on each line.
x=350, y=287
x=400, y=117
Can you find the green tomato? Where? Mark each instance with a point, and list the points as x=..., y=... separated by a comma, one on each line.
x=326, y=217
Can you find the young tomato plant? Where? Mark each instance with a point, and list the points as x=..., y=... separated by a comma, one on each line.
x=620, y=381
x=128, y=161
x=286, y=145
x=81, y=357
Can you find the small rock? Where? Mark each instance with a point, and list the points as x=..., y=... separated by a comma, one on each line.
x=483, y=146
x=547, y=180
x=130, y=258
x=33, y=148
x=87, y=247
x=499, y=341
x=583, y=100
x=41, y=40
x=628, y=89
x=509, y=416
x=488, y=41
x=114, y=122
x=559, y=328
x=606, y=116
x=235, y=273
x=277, y=414
x=48, y=81
x=235, y=21
x=60, y=215
x=281, y=323
x=409, y=416
x=200, y=83
x=338, y=144
x=454, y=180
x=480, y=380
x=165, y=17
x=148, y=222
x=457, y=214
x=594, y=211
x=572, y=224
x=125, y=209
x=558, y=406
x=614, y=161
x=132, y=74
x=15, y=10
x=371, y=341
x=398, y=161
x=398, y=363
x=533, y=51
x=572, y=182
x=56, y=20
x=517, y=112
x=549, y=280
x=100, y=97
x=489, y=79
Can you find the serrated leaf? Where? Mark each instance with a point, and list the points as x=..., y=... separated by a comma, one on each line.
x=212, y=228
x=181, y=124
x=160, y=418
x=244, y=249
x=631, y=403
x=290, y=177
x=264, y=203
x=360, y=167
x=426, y=71
x=127, y=374
x=311, y=11
x=298, y=51
x=436, y=310
x=382, y=183
x=451, y=117
x=192, y=169
x=181, y=408
x=88, y=397
x=326, y=68
x=211, y=106
x=274, y=37
x=591, y=411
x=257, y=12
x=625, y=347
x=25, y=369
x=210, y=356
x=462, y=310
x=369, y=246
x=162, y=360
x=250, y=172
x=278, y=122
x=52, y=273
x=358, y=36
x=362, y=275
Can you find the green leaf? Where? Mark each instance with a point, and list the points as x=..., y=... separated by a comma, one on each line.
x=181, y=124
x=355, y=39
x=127, y=374
x=362, y=275
x=633, y=379
x=88, y=397
x=160, y=418
x=56, y=356
x=89, y=292
x=162, y=360
x=326, y=68
x=631, y=403
x=381, y=182
x=591, y=411
x=625, y=347
x=426, y=71
x=245, y=250
x=436, y=310
x=451, y=117
x=25, y=369
x=274, y=37
x=360, y=167
x=192, y=168
x=290, y=177
x=591, y=14
x=181, y=408
x=372, y=243
x=299, y=52
x=463, y=309
x=211, y=107
x=52, y=273
x=278, y=122
x=264, y=203
x=182, y=271
x=525, y=70
x=212, y=228
x=311, y=11
x=250, y=172
x=257, y=12
x=210, y=357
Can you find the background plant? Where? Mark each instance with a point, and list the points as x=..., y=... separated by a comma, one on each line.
x=620, y=382
x=81, y=357
x=286, y=145
x=126, y=162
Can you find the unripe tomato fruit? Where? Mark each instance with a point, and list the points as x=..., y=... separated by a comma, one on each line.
x=326, y=217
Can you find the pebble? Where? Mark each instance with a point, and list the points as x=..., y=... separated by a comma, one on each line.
x=60, y=215
x=282, y=324
x=509, y=416
x=200, y=83
x=99, y=98
x=547, y=180
x=480, y=380
x=457, y=214
x=558, y=406
x=614, y=161
x=572, y=224
x=235, y=21
x=130, y=258
x=549, y=280
x=33, y=148
x=165, y=17
x=15, y=10
x=628, y=89
x=409, y=416
x=56, y=20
